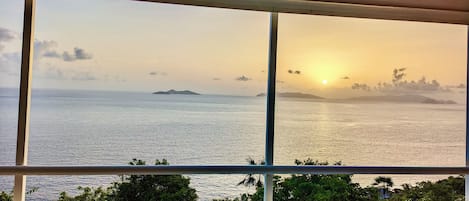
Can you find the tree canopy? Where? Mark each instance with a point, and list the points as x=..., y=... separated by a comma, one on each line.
x=296, y=187
x=140, y=187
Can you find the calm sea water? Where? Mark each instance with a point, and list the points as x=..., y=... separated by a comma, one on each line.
x=111, y=128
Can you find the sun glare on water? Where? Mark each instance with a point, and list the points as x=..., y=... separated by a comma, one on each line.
x=324, y=82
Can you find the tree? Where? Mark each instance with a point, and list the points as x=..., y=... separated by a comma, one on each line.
x=140, y=187
x=314, y=187
x=4, y=196
x=386, y=183
x=88, y=194
x=450, y=189
x=250, y=179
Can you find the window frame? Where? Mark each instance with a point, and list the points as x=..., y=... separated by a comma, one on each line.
x=21, y=169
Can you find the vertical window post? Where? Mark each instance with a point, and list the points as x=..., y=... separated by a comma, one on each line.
x=269, y=142
x=24, y=98
x=466, y=193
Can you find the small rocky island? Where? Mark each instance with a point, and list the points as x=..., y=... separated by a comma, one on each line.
x=172, y=91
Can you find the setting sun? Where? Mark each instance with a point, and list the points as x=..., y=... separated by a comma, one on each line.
x=324, y=82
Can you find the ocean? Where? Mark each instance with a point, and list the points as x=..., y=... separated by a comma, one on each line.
x=71, y=127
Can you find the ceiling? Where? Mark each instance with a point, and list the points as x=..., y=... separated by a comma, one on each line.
x=440, y=11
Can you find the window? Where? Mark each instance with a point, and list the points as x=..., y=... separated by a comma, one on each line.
x=370, y=92
x=60, y=116
x=10, y=54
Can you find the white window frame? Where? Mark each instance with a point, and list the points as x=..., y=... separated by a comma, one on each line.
x=21, y=169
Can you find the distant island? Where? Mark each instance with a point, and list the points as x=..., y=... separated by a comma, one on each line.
x=402, y=99
x=293, y=95
x=261, y=95
x=382, y=98
x=172, y=91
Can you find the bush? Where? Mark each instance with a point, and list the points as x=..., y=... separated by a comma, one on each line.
x=4, y=196
x=311, y=187
x=451, y=189
x=140, y=187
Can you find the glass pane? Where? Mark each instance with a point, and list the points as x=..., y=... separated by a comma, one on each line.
x=205, y=187
x=6, y=186
x=370, y=92
x=11, y=22
x=92, y=100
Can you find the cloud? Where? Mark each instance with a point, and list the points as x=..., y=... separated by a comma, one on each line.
x=5, y=36
x=398, y=74
x=400, y=85
x=294, y=72
x=406, y=86
x=78, y=54
x=53, y=54
x=155, y=73
x=358, y=86
x=47, y=48
x=243, y=78
x=10, y=63
x=216, y=79
x=68, y=57
x=81, y=54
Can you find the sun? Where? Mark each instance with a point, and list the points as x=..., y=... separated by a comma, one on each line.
x=324, y=82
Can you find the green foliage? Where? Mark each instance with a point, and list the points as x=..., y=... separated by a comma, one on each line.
x=140, y=187
x=251, y=179
x=384, y=184
x=310, y=187
x=88, y=194
x=451, y=189
x=243, y=197
x=296, y=187
x=4, y=196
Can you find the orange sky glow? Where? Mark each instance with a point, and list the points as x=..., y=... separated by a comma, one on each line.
x=151, y=46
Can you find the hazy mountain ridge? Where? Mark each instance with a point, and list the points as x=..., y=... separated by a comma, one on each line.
x=408, y=98
x=172, y=91
x=294, y=95
x=402, y=99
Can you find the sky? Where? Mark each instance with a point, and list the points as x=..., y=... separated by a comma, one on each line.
x=139, y=46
